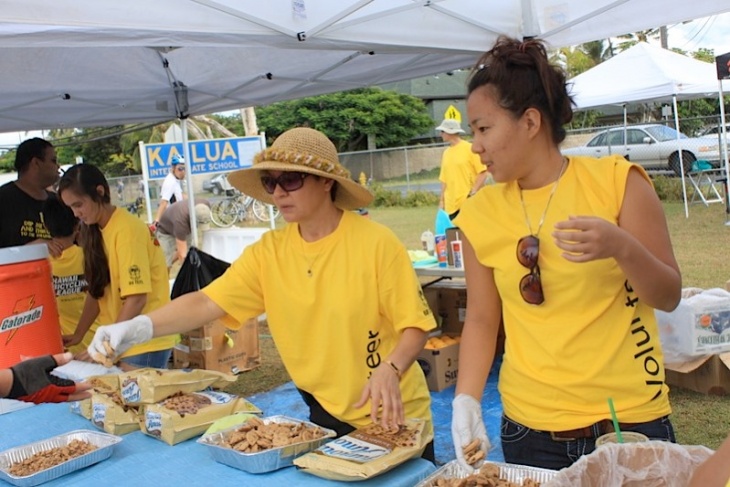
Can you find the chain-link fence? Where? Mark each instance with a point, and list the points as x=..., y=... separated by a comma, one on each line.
x=653, y=145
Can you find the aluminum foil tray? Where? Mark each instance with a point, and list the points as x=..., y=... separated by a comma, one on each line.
x=507, y=471
x=104, y=446
x=267, y=460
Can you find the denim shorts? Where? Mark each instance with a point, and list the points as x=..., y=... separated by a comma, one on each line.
x=524, y=446
x=157, y=360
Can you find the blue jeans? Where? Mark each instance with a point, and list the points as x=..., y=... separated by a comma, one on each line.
x=157, y=360
x=524, y=446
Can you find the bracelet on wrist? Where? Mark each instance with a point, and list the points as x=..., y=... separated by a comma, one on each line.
x=395, y=368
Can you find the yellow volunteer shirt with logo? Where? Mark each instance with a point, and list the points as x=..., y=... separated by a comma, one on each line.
x=334, y=328
x=69, y=285
x=592, y=338
x=459, y=169
x=137, y=266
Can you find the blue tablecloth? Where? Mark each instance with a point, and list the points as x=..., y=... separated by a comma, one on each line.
x=286, y=399
x=140, y=460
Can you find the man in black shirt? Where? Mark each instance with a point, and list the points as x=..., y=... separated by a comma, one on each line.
x=21, y=201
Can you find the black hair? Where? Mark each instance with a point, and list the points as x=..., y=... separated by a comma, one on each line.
x=84, y=179
x=27, y=150
x=58, y=218
x=523, y=77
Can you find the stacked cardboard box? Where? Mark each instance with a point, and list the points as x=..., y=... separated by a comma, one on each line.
x=440, y=364
x=215, y=347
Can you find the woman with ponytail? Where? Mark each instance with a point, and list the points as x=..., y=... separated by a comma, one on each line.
x=574, y=255
x=124, y=265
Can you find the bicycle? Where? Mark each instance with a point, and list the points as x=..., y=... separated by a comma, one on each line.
x=228, y=211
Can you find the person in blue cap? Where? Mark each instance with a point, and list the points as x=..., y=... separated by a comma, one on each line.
x=171, y=187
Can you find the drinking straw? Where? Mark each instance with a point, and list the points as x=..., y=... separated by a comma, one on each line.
x=619, y=436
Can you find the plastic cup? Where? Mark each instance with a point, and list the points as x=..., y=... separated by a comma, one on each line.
x=628, y=436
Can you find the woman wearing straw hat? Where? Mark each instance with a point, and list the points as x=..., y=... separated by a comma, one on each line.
x=342, y=301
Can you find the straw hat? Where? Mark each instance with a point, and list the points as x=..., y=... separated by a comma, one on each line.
x=303, y=150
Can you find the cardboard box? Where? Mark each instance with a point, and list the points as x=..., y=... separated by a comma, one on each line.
x=215, y=347
x=448, y=303
x=431, y=294
x=440, y=366
x=451, y=304
x=707, y=375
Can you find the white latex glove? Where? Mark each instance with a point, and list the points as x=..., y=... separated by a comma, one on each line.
x=121, y=336
x=467, y=425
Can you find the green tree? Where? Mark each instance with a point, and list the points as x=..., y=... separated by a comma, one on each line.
x=633, y=38
x=348, y=118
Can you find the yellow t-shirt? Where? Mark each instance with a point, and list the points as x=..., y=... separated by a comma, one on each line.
x=136, y=265
x=69, y=285
x=459, y=169
x=592, y=338
x=333, y=328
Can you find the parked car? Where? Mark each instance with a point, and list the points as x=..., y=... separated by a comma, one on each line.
x=653, y=146
x=219, y=184
x=714, y=131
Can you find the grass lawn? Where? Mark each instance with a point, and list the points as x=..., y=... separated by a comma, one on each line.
x=701, y=244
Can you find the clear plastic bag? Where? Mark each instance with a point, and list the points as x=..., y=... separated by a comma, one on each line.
x=650, y=464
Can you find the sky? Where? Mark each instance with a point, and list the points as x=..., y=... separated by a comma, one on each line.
x=709, y=32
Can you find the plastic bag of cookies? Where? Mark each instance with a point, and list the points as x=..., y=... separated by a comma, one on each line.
x=367, y=452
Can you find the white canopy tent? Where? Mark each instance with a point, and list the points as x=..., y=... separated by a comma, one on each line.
x=105, y=62
x=646, y=73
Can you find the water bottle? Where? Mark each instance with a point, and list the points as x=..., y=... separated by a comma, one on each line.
x=427, y=240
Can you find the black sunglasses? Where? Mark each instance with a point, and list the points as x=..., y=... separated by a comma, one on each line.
x=528, y=249
x=288, y=181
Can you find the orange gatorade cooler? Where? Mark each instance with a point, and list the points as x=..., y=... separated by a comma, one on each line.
x=29, y=324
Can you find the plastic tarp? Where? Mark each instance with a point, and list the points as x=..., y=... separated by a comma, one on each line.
x=105, y=62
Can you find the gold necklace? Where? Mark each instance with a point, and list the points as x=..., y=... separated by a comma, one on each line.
x=310, y=262
x=550, y=198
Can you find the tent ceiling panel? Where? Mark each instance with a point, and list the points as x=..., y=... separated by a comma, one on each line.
x=118, y=60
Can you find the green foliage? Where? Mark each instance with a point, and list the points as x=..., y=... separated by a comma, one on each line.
x=347, y=118
x=418, y=199
x=7, y=161
x=385, y=197
x=668, y=188
x=704, y=54
x=413, y=199
x=583, y=119
x=690, y=111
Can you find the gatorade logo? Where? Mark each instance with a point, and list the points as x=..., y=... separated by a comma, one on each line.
x=25, y=313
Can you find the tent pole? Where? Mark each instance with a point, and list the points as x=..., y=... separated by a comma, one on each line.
x=723, y=152
x=145, y=181
x=189, y=181
x=681, y=159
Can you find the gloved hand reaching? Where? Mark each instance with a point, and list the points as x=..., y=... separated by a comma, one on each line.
x=466, y=426
x=120, y=337
x=33, y=382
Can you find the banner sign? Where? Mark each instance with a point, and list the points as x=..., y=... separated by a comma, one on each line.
x=722, y=62
x=206, y=156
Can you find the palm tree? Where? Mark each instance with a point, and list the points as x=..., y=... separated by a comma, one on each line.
x=631, y=39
